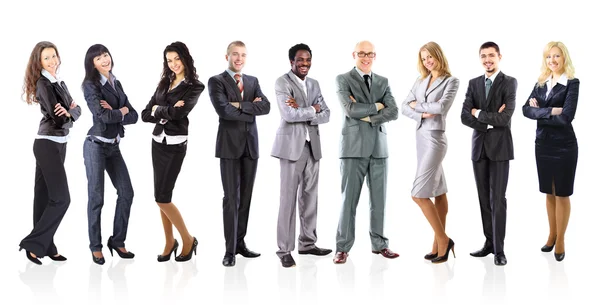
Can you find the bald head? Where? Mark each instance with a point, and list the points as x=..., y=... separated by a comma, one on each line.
x=364, y=54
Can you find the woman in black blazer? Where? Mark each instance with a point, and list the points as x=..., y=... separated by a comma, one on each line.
x=110, y=110
x=177, y=94
x=553, y=103
x=51, y=191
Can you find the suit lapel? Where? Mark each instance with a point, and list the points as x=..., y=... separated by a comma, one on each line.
x=495, y=87
x=295, y=82
x=233, y=88
x=361, y=81
x=436, y=83
x=110, y=89
x=556, y=89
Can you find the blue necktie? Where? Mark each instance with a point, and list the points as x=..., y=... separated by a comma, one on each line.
x=488, y=86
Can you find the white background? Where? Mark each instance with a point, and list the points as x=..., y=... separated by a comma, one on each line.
x=137, y=33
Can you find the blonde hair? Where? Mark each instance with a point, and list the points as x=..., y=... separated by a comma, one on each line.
x=236, y=43
x=567, y=66
x=436, y=52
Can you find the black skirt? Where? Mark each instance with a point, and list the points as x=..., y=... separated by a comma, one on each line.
x=166, y=161
x=556, y=162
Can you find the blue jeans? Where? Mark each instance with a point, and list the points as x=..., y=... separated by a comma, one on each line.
x=99, y=157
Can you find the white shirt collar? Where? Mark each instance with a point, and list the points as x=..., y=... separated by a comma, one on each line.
x=493, y=77
x=561, y=80
x=49, y=76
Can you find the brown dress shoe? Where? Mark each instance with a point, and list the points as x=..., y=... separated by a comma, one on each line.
x=340, y=257
x=387, y=253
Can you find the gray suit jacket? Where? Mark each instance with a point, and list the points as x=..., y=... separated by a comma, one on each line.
x=436, y=99
x=363, y=139
x=291, y=134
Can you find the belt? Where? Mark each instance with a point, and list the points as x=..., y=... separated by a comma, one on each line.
x=101, y=142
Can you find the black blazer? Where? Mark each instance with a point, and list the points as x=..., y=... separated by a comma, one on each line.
x=237, y=127
x=177, y=120
x=49, y=94
x=108, y=123
x=554, y=128
x=497, y=141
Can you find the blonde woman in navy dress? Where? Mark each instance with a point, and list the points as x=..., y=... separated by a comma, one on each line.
x=553, y=103
x=428, y=103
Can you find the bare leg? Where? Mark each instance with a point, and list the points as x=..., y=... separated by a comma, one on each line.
x=563, y=212
x=168, y=228
x=441, y=205
x=551, y=210
x=173, y=215
x=430, y=212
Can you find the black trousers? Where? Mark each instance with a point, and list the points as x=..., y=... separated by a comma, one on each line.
x=51, y=197
x=237, y=176
x=491, y=178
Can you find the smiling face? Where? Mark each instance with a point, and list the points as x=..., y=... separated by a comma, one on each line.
x=301, y=63
x=50, y=61
x=103, y=63
x=428, y=61
x=175, y=64
x=555, y=61
x=490, y=59
x=236, y=58
x=364, y=54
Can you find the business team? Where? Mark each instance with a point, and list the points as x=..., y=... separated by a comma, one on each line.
x=367, y=103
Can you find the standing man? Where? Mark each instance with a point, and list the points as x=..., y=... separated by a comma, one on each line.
x=237, y=98
x=488, y=107
x=298, y=147
x=368, y=103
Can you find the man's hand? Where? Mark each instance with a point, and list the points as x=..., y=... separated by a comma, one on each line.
x=502, y=108
x=235, y=104
x=412, y=104
x=291, y=102
x=317, y=107
x=366, y=119
x=473, y=111
x=257, y=99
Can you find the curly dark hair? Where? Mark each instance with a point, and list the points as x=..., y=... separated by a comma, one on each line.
x=188, y=62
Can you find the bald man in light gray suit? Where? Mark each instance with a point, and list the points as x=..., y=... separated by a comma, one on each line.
x=368, y=104
x=298, y=147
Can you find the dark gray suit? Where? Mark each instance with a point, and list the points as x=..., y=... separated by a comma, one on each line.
x=299, y=159
x=363, y=152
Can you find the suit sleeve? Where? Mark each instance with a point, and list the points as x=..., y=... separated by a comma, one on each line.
x=47, y=100
x=132, y=116
x=502, y=119
x=352, y=110
x=190, y=100
x=257, y=108
x=442, y=106
x=535, y=113
x=466, y=117
x=93, y=94
x=406, y=109
x=569, y=107
x=290, y=114
x=147, y=112
x=223, y=107
x=323, y=115
x=390, y=112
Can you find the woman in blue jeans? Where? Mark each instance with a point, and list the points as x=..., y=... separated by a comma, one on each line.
x=110, y=110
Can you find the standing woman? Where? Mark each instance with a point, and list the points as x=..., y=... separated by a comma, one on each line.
x=110, y=110
x=42, y=85
x=553, y=103
x=428, y=103
x=177, y=94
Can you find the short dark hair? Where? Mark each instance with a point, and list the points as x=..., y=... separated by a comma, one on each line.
x=489, y=44
x=296, y=48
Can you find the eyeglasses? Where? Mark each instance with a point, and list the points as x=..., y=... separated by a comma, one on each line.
x=363, y=54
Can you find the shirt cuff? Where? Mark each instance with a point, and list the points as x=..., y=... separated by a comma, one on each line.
x=153, y=110
x=314, y=109
x=477, y=113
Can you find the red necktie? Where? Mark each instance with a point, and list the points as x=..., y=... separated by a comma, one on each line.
x=238, y=82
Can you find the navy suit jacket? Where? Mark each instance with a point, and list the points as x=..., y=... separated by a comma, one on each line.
x=108, y=123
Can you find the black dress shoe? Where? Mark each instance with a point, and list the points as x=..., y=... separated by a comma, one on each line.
x=163, y=258
x=315, y=251
x=229, y=260
x=111, y=246
x=287, y=261
x=500, y=259
x=559, y=256
x=546, y=248
x=184, y=258
x=58, y=258
x=245, y=252
x=36, y=261
x=483, y=252
x=98, y=260
x=430, y=256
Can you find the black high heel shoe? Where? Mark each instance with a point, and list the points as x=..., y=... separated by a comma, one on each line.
x=58, y=258
x=98, y=260
x=559, y=256
x=122, y=254
x=32, y=259
x=164, y=258
x=187, y=257
x=548, y=248
x=442, y=259
x=430, y=256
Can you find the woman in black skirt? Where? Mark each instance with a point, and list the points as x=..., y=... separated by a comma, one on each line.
x=51, y=197
x=553, y=103
x=177, y=94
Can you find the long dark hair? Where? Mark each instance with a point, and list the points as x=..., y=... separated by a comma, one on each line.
x=91, y=73
x=33, y=72
x=188, y=63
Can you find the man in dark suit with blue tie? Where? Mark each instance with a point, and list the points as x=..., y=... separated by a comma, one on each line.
x=488, y=108
x=237, y=99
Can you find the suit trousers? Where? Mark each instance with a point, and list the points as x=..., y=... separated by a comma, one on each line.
x=237, y=177
x=299, y=180
x=51, y=197
x=491, y=178
x=354, y=171
x=99, y=157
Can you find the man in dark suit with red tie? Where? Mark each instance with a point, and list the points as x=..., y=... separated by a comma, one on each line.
x=237, y=99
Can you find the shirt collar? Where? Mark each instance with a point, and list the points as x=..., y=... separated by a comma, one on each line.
x=231, y=73
x=493, y=77
x=561, y=80
x=103, y=78
x=49, y=76
x=363, y=73
x=300, y=80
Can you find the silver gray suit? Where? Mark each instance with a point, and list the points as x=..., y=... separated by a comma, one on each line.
x=431, y=139
x=298, y=147
x=363, y=153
